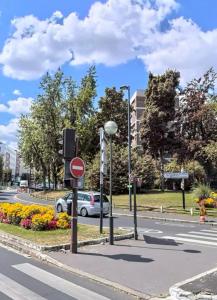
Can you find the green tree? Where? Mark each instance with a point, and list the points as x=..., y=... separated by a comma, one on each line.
x=113, y=107
x=157, y=125
x=196, y=119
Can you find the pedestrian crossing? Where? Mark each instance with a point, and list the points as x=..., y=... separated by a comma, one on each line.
x=17, y=291
x=204, y=237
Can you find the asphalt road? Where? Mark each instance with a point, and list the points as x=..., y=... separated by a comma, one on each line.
x=165, y=253
x=23, y=278
x=183, y=232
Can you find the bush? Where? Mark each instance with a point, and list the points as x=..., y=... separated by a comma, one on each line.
x=63, y=221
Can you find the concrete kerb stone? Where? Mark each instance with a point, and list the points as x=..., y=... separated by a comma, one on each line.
x=178, y=293
x=12, y=240
x=167, y=219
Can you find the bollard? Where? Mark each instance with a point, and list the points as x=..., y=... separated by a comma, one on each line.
x=161, y=209
x=192, y=211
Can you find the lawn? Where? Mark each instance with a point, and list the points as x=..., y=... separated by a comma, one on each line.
x=55, y=237
x=152, y=198
x=156, y=199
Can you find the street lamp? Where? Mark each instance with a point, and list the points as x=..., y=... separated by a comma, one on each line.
x=110, y=128
x=124, y=88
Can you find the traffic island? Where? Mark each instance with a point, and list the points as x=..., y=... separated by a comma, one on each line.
x=54, y=240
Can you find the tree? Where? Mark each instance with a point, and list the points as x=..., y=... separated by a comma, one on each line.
x=196, y=119
x=157, y=125
x=113, y=107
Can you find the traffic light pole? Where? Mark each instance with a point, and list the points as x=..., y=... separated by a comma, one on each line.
x=74, y=221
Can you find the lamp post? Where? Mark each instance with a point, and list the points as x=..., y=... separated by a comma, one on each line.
x=124, y=88
x=110, y=128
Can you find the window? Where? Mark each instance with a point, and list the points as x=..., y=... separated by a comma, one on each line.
x=80, y=197
x=97, y=198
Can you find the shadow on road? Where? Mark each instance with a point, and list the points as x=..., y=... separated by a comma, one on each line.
x=126, y=257
x=160, y=248
x=159, y=241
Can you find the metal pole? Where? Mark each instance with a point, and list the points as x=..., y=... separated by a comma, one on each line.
x=111, y=238
x=183, y=192
x=101, y=183
x=74, y=237
x=129, y=149
x=135, y=210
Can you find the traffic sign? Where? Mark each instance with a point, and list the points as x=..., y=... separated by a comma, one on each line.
x=174, y=175
x=77, y=167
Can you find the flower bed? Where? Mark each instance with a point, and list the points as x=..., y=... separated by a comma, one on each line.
x=208, y=202
x=35, y=217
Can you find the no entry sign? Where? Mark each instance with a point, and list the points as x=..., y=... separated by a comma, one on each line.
x=77, y=167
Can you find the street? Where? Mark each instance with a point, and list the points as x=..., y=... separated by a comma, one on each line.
x=22, y=278
x=166, y=253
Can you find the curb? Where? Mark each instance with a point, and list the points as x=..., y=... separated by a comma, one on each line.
x=178, y=293
x=35, y=251
x=167, y=220
x=17, y=242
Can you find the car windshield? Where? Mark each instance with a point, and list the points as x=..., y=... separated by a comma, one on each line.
x=97, y=198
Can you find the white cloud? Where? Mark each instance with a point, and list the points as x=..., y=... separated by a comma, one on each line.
x=184, y=47
x=18, y=106
x=17, y=93
x=112, y=33
x=8, y=132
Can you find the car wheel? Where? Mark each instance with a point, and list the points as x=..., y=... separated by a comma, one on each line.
x=84, y=212
x=59, y=208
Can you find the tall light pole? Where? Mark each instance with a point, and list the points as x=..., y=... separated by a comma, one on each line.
x=124, y=88
x=110, y=128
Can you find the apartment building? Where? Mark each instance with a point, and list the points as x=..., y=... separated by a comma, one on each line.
x=9, y=158
x=137, y=106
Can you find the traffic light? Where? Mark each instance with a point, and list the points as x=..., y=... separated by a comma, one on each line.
x=69, y=143
x=69, y=152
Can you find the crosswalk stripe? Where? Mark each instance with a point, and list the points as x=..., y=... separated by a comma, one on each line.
x=58, y=283
x=189, y=240
x=208, y=230
x=16, y=291
x=203, y=233
x=200, y=237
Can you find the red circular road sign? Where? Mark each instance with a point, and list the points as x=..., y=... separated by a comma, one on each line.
x=77, y=167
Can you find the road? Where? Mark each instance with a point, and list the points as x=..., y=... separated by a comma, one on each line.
x=165, y=254
x=23, y=278
x=179, y=232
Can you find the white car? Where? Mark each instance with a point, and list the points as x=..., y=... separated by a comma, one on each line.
x=88, y=203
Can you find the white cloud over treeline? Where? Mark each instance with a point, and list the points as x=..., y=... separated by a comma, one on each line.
x=112, y=33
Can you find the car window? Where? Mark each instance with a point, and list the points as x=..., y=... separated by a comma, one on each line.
x=70, y=196
x=87, y=198
x=80, y=196
x=97, y=198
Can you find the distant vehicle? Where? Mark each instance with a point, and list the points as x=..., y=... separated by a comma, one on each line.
x=24, y=183
x=88, y=203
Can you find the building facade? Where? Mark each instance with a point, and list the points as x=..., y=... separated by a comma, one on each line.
x=137, y=109
x=9, y=158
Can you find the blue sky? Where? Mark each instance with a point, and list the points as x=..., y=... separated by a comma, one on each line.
x=125, y=39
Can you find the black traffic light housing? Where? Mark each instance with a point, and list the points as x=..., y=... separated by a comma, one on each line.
x=69, y=152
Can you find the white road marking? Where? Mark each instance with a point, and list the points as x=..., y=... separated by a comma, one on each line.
x=189, y=240
x=203, y=233
x=173, y=224
x=16, y=291
x=200, y=237
x=58, y=283
x=207, y=230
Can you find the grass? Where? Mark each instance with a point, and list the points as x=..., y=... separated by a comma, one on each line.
x=156, y=199
x=152, y=200
x=59, y=236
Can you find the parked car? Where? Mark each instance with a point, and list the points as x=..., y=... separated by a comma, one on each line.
x=88, y=203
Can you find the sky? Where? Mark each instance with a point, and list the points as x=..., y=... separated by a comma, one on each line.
x=125, y=39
